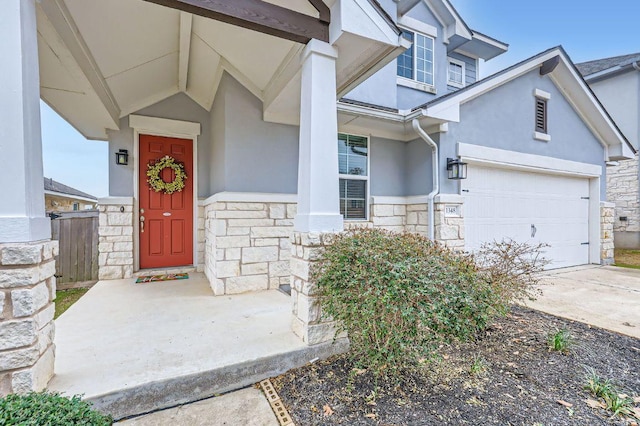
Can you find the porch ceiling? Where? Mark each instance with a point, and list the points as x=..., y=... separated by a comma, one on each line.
x=102, y=60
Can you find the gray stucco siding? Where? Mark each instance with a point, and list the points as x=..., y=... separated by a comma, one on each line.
x=504, y=118
x=419, y=168
x=176, y=107
x=388, y=173
x=259, y=156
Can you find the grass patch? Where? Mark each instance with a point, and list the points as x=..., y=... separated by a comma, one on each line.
x=66, y=298
x=627, y=258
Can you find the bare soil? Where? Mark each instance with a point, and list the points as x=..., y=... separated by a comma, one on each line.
x=508, y=376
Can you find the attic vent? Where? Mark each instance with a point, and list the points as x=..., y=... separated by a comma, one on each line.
x=541, y=115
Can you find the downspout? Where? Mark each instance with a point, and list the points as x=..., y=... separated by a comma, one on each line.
x=436, y=176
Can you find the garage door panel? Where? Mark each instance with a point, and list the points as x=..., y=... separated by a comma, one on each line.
x=503, y=203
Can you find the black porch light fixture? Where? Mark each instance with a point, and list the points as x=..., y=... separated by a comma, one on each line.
x=122, y=157
x=456, y=169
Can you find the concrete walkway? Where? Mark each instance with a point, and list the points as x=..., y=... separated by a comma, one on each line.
x=246, y=407
x=136, y=348
x=603, y=296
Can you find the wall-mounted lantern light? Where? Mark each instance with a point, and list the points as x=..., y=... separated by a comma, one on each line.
x=456, y=169
x=122, y=157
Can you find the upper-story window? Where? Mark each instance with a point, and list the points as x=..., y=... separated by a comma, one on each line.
x=353, y=162
x=456, y=73
x=416, y=63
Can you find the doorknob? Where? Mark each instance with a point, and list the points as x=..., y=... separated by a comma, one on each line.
x=141, y=223
x=533, y=230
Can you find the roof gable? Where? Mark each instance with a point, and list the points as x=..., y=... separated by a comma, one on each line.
x=566, y=78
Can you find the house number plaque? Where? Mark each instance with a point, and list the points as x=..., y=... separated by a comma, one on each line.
x=452, y=210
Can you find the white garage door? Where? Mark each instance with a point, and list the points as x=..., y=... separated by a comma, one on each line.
x=528, y=207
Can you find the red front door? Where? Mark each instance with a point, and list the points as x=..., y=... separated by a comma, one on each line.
x=166, y=232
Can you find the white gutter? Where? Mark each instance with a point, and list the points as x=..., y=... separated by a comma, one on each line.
x=436, y=177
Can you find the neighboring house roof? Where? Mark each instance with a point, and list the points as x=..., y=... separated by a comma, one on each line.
x=53, y=187
x=592, y=67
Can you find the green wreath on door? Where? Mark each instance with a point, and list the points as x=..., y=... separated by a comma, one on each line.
x=158, y=184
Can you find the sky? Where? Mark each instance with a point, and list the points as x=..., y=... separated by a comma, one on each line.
x=587, y=29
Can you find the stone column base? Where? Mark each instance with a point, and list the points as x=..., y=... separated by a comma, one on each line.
x=115, y=238
x=308, y=323
x=607, y=211
x=27, y=291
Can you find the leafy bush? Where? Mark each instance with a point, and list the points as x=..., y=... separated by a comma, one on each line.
x=51, y=409
x=398, y=296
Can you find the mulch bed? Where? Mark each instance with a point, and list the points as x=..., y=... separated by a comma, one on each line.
x=517, y=380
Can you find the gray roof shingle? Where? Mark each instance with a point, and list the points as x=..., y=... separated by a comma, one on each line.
x=592, y=67
x=54, y=186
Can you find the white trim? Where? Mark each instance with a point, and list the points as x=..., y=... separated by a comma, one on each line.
x=399, y=200
x=250, y=197
x=415, y=84
x=489, y=40
x=541, y=94
x=110, y=201
x=71, y=197
x=518, y=160
x=186, y=22
x=419, y=26
x=451, y=60
x=164, y=126
x=170, y=128
x=594, y=221
x=449, y=198
x=544, y=137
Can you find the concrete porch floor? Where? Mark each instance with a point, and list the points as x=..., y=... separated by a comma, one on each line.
x=135, y=348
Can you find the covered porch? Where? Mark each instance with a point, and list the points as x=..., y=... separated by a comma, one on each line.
x=98, y=64
x=133, y=348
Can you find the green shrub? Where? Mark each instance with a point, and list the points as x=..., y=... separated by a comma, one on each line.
x=398, y=296
x=51, y=409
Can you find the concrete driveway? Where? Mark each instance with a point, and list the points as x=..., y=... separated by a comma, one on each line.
x=603, y=296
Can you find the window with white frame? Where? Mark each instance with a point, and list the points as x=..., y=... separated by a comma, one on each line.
x=456, y=73
x=416, y=63
x=353, y=161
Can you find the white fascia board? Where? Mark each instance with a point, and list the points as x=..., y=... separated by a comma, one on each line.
x=251, y=197
x=484, y=87
x=518, y=160
x=70, y=196
x=359, y=17
x=164, y=126
x=447, y=112
x=400, y=200
x=370, y=112
x=590, y=110
x=418, y=26
x=489, y=40
x=124, y=201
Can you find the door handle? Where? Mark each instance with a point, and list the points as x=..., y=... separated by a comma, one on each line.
x=533, y=230
x=141, y=223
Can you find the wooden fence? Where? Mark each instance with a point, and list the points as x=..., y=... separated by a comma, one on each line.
x=77, y=235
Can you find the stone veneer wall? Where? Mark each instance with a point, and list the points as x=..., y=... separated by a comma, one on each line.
x=115, y=238
x=27, y=291
x=607, y=220
x=201, y=237
x=308, y=323
x=449, y=229
x=623, y=190
x=247, y=245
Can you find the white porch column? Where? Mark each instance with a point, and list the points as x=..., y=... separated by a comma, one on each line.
x=318, y=197
x=22, y=216
x=27, y=265
x=318, y=214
